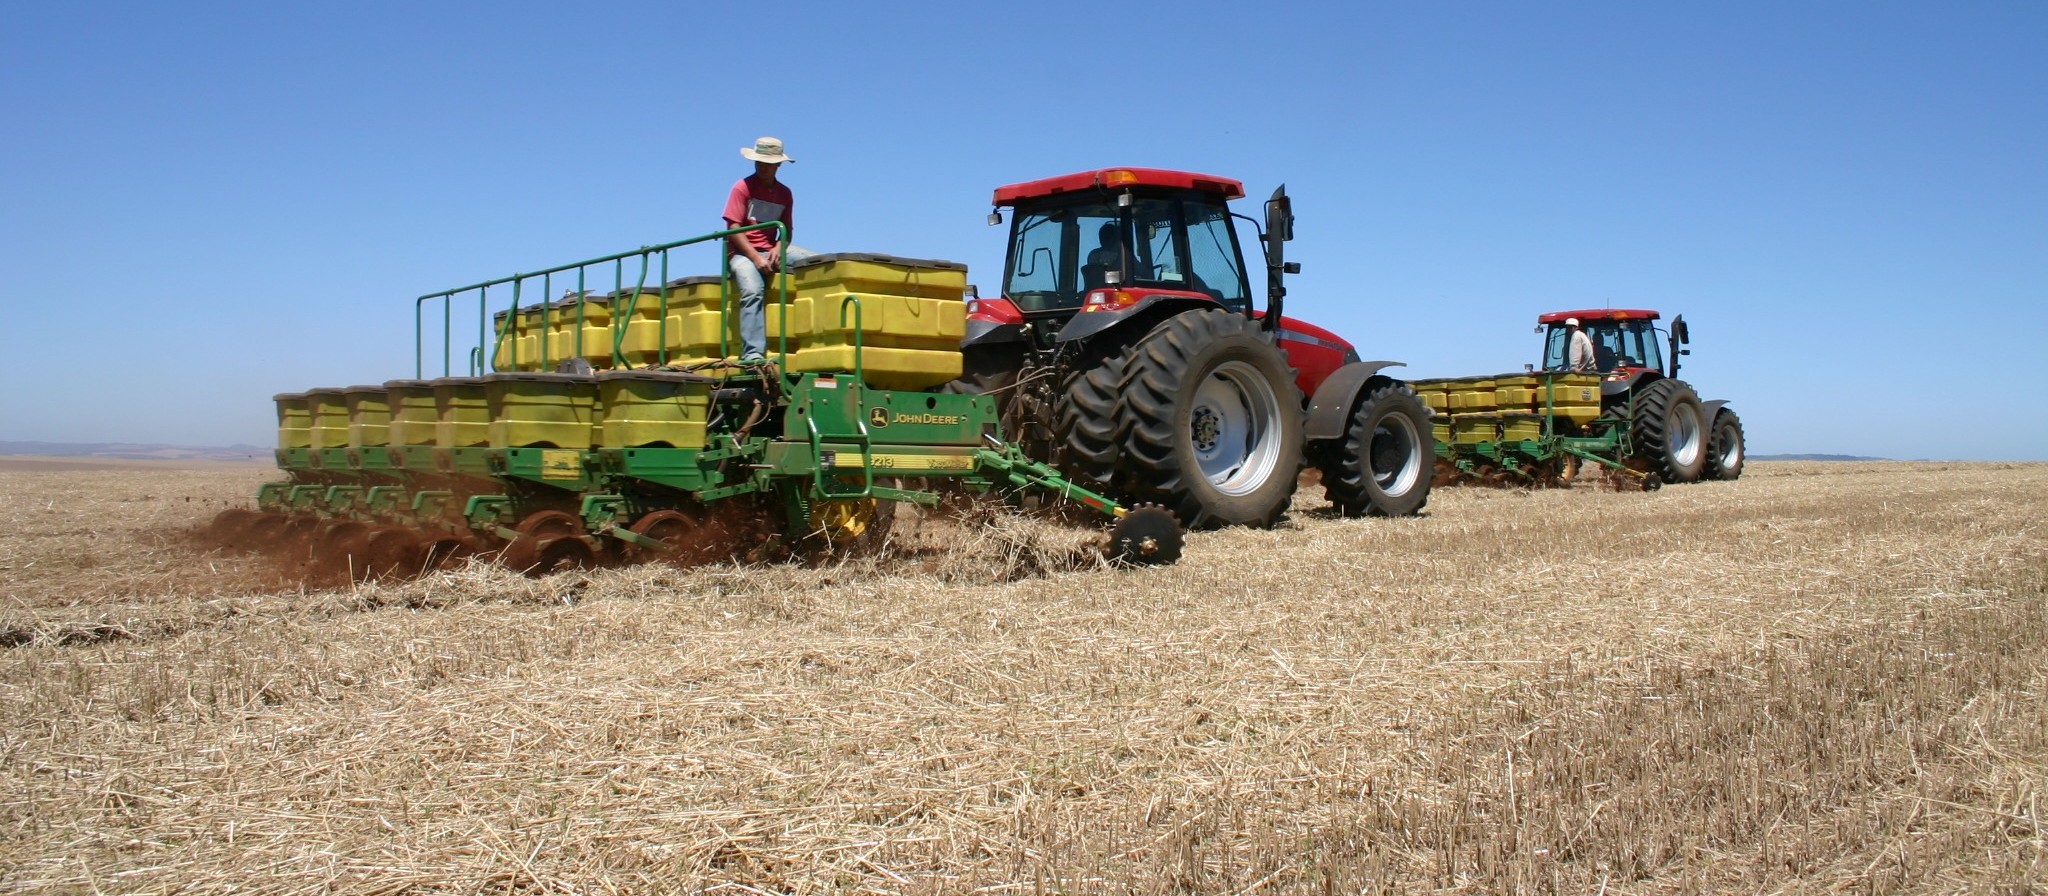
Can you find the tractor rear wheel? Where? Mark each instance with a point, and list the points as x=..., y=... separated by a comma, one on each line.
x=1212, y=420
x=1091, y=423
x=1385, y=463
x=1725, y=449
x=999, y=372
x=984, y=371
x=1668, y=432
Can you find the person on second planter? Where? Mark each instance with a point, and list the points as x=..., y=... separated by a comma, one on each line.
x=757, y=199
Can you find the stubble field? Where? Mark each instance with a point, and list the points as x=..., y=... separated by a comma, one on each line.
x=1820, y=678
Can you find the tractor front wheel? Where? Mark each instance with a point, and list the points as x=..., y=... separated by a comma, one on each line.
x=1725, y=450
x=1385, y=463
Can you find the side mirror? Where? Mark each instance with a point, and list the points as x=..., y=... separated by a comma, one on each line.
x=995, y=217
x=1679, y=330
x=1280, y=215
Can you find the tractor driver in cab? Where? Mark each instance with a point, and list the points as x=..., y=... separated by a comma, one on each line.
x=1579, y=356
x=1107, y=258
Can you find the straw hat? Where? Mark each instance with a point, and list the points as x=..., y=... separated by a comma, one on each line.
x=767, y=149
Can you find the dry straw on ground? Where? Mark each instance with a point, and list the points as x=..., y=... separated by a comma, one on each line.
x=1819, y=678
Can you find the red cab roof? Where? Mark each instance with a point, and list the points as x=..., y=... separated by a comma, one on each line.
x=1557, y=317
x=1119, y=177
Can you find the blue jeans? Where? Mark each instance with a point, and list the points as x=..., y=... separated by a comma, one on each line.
x=753, y=290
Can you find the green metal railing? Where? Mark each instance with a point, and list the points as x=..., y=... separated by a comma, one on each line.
x=478, y=361
x=859, y=374
x=863, y=437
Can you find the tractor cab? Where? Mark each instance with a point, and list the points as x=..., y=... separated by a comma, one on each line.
x=1625, y=340
x=1097, y=256
x=1115, y=239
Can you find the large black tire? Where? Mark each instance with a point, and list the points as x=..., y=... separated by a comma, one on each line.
x=1725, y=450
x=1091, y=423
x=1387, y=458
x=986, y=370
x=1668, y=433
x=996, y=371
x=1210, y=420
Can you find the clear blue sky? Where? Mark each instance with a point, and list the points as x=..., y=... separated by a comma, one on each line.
x=207, y=203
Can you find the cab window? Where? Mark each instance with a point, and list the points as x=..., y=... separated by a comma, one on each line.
x=1159, y=260
x=1213, y=255
x=1555, y=344
x=1059, y=254
x=1048, y=253
x=1616, y=344
x=1629, y=343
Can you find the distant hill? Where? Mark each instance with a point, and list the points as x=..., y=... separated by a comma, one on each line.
x=135, y=451
x=1813, y=457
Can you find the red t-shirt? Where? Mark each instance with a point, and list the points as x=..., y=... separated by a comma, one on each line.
x=754, y=201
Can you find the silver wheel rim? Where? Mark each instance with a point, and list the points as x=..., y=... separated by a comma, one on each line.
x=1232, y=426
x=1395, y=439
x=1731, y=452
x=1685, y=436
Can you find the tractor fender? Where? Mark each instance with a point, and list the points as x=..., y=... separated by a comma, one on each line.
x=1329, y=412
x=1709, y=410
x=1088, y=324
x=989, y=332
x=1622, y=386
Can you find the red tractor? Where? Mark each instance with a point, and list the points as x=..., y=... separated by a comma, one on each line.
x=1672, y=433
x=1126, y=350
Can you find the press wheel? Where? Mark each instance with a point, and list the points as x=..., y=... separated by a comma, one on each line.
x=533, y=551
x=676, y=530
